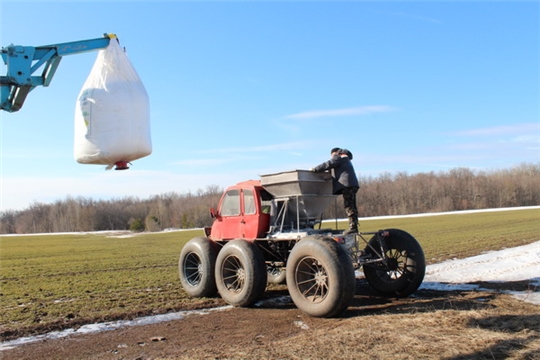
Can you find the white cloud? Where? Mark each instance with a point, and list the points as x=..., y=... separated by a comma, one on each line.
x=525, y=128
x=363, y=110
x=525, y=139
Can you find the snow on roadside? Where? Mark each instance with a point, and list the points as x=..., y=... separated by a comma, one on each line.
x=520, y=263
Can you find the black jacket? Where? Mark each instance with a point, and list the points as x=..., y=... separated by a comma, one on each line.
x=342, y=172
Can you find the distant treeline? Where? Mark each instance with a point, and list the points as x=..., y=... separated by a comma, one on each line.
x=386, y=194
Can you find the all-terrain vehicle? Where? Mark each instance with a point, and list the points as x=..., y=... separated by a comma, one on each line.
x=270, y=231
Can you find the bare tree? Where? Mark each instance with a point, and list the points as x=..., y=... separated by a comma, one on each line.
x=386, y=194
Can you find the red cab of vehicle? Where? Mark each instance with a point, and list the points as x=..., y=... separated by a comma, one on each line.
x=243, y=212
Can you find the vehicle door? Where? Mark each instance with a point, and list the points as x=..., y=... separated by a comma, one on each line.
x=229, y=220
x=250, y=216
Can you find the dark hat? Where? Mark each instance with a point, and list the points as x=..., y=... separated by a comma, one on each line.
x=334, y=150
x=346, y=152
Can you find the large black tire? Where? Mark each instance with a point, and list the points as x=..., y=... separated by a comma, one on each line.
x=240, y=273
x=403, y=271
x=196, y=267
x=320, y=277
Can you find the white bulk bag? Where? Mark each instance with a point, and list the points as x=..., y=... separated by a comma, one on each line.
x=112, y=113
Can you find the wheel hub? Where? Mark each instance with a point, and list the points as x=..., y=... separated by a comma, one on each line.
x=240, y=274
x=392, y=264
x=320, y=278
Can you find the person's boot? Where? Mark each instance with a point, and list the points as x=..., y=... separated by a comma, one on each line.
x=353, y=226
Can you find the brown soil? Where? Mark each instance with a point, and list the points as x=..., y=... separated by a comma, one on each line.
x=428, y=325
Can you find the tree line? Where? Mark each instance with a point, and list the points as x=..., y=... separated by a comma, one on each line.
x=386, y=194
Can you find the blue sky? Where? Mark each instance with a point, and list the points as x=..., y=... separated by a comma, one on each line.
x=240, y=89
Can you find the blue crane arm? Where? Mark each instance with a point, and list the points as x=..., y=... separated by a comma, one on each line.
x=25, y=61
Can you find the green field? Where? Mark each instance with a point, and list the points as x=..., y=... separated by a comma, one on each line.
x=61, y=281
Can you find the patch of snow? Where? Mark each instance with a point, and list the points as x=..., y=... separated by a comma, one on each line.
x=514, y=264
x=302, y=325
x=460, y=212
x=520, y=263
x=107, y=326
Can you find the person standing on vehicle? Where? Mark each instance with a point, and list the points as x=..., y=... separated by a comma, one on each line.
x=344, y=182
